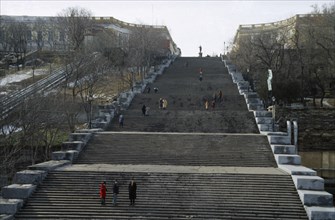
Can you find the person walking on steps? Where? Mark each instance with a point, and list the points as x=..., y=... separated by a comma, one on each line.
x=165, y=103
x=103, y=192
x=220, y=96
x=206, y=104
x=144, y=108
x=132, y=191
x=115, y=192
x=161, y=103
x=147, y=110
x=213, y=104
x=200, y=74
x=121, y=120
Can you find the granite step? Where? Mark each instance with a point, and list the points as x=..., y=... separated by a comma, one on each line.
x=179, y=149
x=74, y=194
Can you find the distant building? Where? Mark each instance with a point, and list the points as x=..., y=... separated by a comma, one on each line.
x=300, y=37
x=289, y=27
x=47, y=36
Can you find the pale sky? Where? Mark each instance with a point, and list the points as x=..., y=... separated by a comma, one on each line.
x=211, y=24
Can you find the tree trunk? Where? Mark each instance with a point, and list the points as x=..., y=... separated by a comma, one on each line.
x=322, y=97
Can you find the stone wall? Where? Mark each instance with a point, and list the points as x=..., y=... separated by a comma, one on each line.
x=316, y=127
x=321, y=161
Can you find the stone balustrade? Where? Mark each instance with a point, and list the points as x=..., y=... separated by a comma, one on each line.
x=318, y=203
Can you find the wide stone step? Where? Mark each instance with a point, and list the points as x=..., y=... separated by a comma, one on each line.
x=179, y=149
x=188, y=121
x=264, y=120
x=316, y=198
x=279, y=140
x=255, y=107
x=251, y=95
x=74, y=194
x=297, y=170
x=263, y=114
x=256, y=101
x=265, y=127
x=288, y=159
x=308, y=182
x=283, y=149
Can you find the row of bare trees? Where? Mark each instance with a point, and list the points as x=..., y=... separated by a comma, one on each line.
x=301, y=55
x=93, y=65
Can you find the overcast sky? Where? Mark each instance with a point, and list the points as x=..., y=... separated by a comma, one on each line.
x=211, y=24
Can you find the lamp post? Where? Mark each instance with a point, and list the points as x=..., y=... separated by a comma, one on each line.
x=302, y=84
x=248, y=79
x=224, y=48
x=273, y=112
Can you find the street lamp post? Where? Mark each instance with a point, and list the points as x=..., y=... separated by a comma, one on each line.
x=224, y=48
x=302, y=85
x=248, y=79
x=273, y=112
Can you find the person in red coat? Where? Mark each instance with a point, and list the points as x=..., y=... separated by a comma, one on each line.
x=103, y=191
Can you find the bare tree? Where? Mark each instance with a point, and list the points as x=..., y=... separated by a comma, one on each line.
x=145, y=45
x=321, y=34
x=4, y=35
x=75, y=23
x=41, y=123
x=15, y=34
x=268, y=49
x=10, y=146
x=41, y=30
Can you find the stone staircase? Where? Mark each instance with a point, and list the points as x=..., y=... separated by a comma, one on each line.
x=74, y=195
x=196, y=149
x=185, y=95
x=189, y=163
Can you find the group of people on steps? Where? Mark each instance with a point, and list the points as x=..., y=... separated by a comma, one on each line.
x=132, y=188
x=217, y=97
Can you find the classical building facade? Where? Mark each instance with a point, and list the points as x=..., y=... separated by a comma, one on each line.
x=304, y=43
x=290, y=27
x=43, y=33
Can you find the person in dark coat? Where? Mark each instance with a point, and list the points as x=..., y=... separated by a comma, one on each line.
x=115, y=192
x=144, y=109
x=220, y=95
x=132, y=191
x=213, y=104
x=103, y=192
